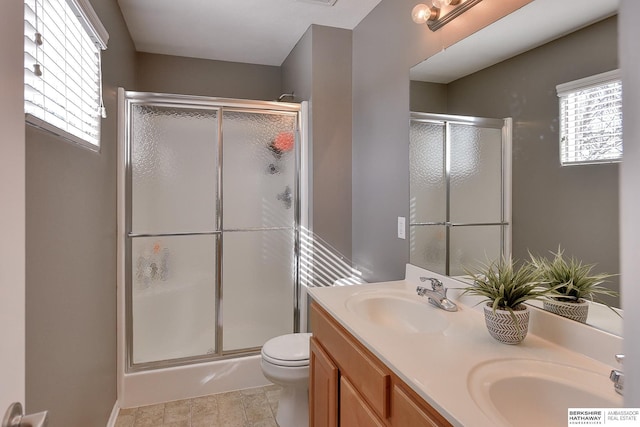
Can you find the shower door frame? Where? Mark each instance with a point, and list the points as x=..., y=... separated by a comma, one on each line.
x=505, y=125
x=129, y=98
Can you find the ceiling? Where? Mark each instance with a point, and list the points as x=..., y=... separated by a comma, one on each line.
x=533, y=25
x=249, y=31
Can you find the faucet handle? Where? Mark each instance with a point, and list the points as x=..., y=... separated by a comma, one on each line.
x=436, y=284
x=617, y=378
x=620, y=358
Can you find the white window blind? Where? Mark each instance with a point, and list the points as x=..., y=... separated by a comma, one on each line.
x=62, y=74
x=591, y=119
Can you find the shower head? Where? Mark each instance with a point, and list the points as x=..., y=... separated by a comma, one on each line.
x=287, y=95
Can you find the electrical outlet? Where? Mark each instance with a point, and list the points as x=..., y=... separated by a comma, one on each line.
x=401, y=227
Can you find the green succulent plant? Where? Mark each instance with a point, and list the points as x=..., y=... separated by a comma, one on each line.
x=569, y=279
x=504, y=285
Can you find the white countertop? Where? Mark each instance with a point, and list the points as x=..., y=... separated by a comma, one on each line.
x=437, y=365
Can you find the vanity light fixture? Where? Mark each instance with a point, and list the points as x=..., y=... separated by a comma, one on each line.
x=440, y=12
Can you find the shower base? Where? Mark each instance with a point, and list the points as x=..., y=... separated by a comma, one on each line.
x=185, y=382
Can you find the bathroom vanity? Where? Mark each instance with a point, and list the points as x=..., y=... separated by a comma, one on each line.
x=383, y=356
x=350, y=386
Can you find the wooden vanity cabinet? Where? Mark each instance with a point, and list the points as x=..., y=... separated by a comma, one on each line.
x=350, y=387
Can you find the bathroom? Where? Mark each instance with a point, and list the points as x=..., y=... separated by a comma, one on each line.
x=71, y=200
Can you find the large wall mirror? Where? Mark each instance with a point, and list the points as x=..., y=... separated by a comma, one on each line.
x=511, y=69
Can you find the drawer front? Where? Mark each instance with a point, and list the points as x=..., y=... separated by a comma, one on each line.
x=370, y=378
x=354, y=411
x=406, y=412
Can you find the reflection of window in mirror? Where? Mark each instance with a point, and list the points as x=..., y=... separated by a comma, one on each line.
x=591, y=119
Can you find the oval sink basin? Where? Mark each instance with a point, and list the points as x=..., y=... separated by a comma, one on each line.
x=526, y=392
x=397, y=311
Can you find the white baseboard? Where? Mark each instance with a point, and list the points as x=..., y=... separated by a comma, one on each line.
x=114, y=415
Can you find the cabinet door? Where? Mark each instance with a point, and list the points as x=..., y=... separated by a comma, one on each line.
x=323, y=388
x=354, y=411
x=406, y=412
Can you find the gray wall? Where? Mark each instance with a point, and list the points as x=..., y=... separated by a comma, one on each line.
x=297, y=68
x=576, y=206
x=384, y=48
x=191, y=76
x=318, y=69
x=427, y=97
x=71, y=258
x=331, y=104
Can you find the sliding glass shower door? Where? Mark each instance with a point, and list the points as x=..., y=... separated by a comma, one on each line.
x=211, y=227
x=459, y=191
x=174, y=238
x=258, y=226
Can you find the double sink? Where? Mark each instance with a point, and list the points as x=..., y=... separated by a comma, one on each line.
x=510, y=387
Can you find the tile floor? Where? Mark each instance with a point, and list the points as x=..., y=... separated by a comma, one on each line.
x=254, y=407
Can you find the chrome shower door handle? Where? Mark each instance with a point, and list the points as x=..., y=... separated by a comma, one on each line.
x=15, y=417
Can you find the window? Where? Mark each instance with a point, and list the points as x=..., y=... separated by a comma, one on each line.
x=591, y=119
x=62, y=78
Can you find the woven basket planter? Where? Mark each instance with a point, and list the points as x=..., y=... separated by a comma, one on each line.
x=502, y=326
x=572, y=310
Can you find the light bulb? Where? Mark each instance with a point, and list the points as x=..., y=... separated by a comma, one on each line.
x=440, y=3
x=422, y=13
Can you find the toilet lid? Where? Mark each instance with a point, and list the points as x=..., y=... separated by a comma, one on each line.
x=287, y=350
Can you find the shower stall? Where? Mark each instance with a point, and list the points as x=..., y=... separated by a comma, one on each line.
x=459, y=190
x=210, y=195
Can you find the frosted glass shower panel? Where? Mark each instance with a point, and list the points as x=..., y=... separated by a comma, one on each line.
x=173, y=169
x=428, y=247
x=476, y=174
x=427, y=185
x=257, y=302
x=173, y=297
x=258, y=169
x=473, y=245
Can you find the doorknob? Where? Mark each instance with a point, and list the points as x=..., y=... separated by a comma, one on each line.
x=15, y=417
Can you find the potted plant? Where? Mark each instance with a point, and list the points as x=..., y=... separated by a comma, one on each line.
x=571, y=284
x=505, y=287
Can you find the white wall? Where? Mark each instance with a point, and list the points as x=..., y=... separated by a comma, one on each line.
x=629, y=34
x=12, y=207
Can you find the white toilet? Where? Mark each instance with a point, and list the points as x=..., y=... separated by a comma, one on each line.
x=285, y=362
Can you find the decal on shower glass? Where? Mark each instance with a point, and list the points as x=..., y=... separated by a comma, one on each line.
x=282, y=143
x=273, y=169
x=152, y=265
x=285, y=197
x=279, y=146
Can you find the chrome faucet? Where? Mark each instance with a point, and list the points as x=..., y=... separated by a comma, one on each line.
x=617, y=376
x=437, y=295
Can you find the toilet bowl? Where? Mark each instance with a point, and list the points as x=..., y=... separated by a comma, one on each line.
x=285, y=362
